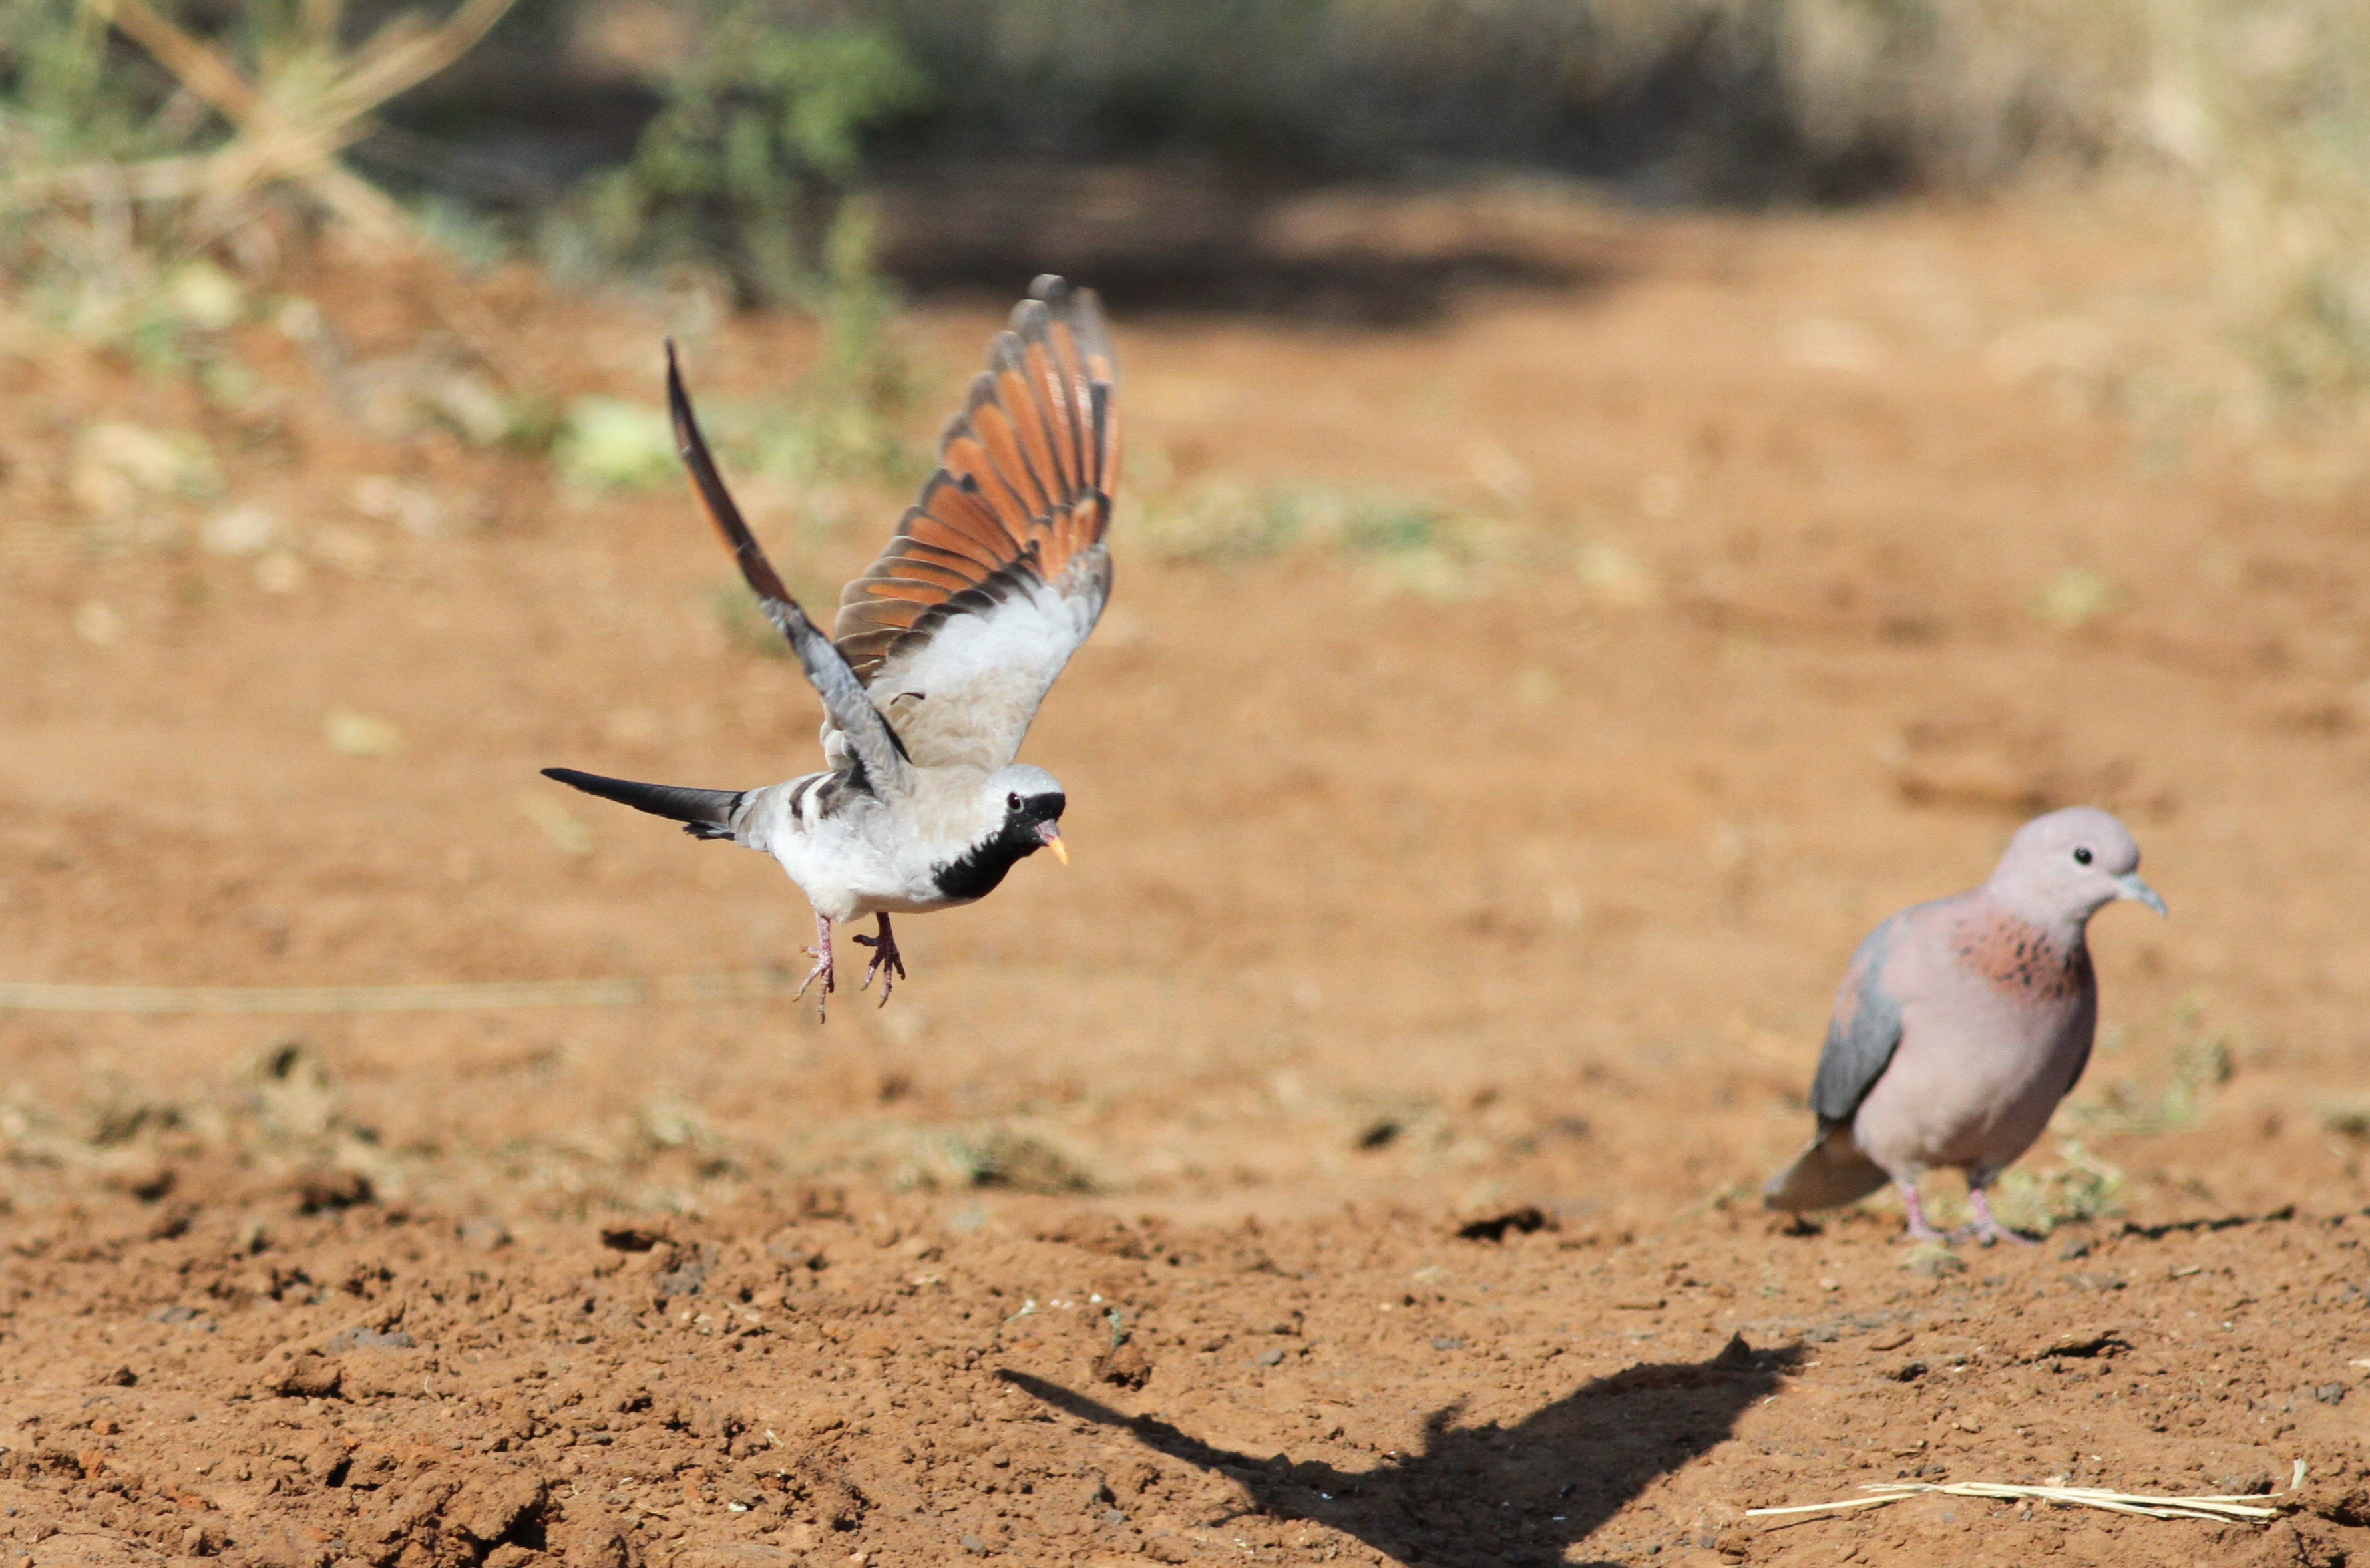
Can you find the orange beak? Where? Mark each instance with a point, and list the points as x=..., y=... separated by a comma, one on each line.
x=1051, y=836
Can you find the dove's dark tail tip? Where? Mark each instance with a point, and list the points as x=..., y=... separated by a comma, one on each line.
x=705, y=814
x=1829, y=1174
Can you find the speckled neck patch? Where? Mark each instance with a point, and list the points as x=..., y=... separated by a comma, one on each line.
x=2019, y=957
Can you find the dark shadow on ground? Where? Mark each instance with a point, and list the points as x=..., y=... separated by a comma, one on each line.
x=1490, y=1496
x=1159, y=240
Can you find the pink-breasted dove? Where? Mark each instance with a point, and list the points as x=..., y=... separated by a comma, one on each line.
x=1962, y=1024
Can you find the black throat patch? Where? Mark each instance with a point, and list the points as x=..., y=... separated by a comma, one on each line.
x=976, y=872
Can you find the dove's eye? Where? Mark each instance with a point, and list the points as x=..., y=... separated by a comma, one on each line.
x=2082, y=856
x=1013, y=801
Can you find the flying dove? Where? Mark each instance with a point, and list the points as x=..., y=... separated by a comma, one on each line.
x=942, y=651
x=1962, y=1024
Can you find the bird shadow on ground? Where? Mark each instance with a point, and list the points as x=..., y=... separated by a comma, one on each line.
x=1490, y=1495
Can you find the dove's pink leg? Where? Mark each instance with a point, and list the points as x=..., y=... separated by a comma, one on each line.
x=1987, y=1230
x=886, y=961
x=1918, y=1229
x=822, y=969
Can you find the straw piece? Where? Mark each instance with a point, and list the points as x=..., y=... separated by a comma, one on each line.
x=2224, y=1506
x=28, y=997
x=1824, y=1507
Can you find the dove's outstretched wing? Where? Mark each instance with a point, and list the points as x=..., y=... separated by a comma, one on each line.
x=998, y=572
x=869, y=742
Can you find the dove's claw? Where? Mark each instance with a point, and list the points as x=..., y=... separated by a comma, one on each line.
x=1986, y=1229
x=1919, y=1229
x=822, y=969
x=886, y=960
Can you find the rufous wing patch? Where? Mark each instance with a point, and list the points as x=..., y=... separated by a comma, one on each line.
x=1023, y=488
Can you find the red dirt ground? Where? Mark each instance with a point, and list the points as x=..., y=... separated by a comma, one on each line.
x=1130, y=1231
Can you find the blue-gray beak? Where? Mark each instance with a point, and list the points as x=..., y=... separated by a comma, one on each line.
x=2139, y=892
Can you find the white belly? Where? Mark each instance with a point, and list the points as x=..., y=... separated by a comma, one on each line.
x=868, y=858
x=844, y=876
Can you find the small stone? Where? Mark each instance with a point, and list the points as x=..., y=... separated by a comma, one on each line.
x=307, y=1377
x=1125, y=1365
x=1934, y=1263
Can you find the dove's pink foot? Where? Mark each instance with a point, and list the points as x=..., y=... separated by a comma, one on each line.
x=1986, y=1229
x=886, y=961
x=1919, y=1230
x=822, y=969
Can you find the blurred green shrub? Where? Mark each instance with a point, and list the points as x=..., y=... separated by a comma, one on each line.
x=751, y=159
x=754, y=151
x=1225, y=524
x=62, y=99
x=2200, y=1062
x=610, y=443
x=139, y=150
x=84, y=254
x=1404, y=543
x=2266, y=104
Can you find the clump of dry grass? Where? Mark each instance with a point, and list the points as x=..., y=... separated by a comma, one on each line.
x=2201, y=1064
x=1018, y=1161
x=304, y=97
x=1407, y=543
x=2080, y=1187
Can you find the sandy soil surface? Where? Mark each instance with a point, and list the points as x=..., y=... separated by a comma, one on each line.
x=1351, y=1155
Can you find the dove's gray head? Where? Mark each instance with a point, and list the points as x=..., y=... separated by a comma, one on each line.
x=2063, y=868
x=1028, y=801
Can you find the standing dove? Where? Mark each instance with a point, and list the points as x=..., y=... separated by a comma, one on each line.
x=1962, y=1024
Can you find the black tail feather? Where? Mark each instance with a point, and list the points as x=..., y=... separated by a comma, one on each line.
x=705, y=814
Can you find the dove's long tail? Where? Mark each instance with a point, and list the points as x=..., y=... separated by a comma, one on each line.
x=705, y=814
x=1832, y=1171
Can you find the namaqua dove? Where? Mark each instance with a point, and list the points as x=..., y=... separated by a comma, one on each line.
x=1962, y=1024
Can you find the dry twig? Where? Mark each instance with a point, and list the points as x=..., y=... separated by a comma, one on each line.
x=2222, y=1506
x=290, y=125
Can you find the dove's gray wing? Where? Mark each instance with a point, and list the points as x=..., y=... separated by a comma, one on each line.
x=871, y=743
x=1862, y=1034
x=1864, y=1031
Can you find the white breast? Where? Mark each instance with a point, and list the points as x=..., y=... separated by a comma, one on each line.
x=869, y=857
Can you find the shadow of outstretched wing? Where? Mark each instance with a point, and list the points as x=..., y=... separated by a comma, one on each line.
x=1487, y=1495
